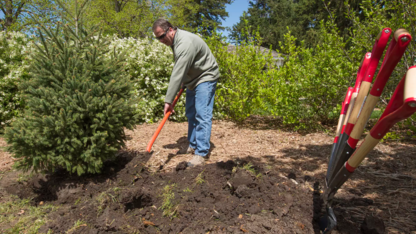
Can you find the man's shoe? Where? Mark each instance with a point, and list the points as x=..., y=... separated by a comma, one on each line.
x=188, y=150
x=196, y=160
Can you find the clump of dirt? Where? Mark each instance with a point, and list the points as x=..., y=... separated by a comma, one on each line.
x=225, y=197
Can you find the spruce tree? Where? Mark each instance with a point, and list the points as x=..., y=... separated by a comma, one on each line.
x=78, y=102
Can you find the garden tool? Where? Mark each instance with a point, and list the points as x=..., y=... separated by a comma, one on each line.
x=165, y=118
x=353, y=132
x=376, y=53
x=347, y=107
x=401, y=106
x=344, y=108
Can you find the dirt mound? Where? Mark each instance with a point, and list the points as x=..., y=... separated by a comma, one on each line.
x=224, y=197
x=256, y=180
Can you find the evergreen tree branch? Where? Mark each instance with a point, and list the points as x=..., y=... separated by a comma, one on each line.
x=65, y=10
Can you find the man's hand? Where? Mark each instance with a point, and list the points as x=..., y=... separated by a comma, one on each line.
x=168, y=107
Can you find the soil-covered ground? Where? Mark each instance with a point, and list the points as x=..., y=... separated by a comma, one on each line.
x=257, y=179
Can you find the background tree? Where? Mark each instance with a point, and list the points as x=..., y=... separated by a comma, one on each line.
x=135, y=18
x=126, y=18
x=179, y=12
x=302, y=17
x=19, y=15
x=209, y=15
x=202, y=16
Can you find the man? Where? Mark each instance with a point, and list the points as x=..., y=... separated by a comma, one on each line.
x=196, y=68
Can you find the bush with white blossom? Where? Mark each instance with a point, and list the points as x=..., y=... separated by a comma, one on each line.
x=14, y=48
x=149, y=64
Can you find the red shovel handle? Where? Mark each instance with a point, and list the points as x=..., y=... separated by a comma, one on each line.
x=361, y=71
x=376, y=54
x=394, y=53
x=149, y=146
x=401, y=106
x=344, y=111
x=360, y=74
x=396, y=49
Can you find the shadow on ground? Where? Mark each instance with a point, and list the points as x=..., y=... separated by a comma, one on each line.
x=258, y=195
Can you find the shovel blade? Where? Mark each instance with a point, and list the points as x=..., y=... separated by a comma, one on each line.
x=339, y=147
x=328, y=221
x=341, y=156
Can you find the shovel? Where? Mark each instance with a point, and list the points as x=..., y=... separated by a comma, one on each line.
x=356, y=124
x=159, y=128
x=347, y=107
x=376, y=53
x=344, y=109
x=401, y=106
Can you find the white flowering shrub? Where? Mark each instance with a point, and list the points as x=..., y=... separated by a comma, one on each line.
x=14, y=48
x=149, y=64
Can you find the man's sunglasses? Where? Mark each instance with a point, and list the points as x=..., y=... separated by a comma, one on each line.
x=163, y=35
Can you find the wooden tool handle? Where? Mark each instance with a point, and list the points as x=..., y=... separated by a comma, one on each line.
x=401, y=106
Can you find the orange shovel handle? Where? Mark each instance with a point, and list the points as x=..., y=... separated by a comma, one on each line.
x=149, y=146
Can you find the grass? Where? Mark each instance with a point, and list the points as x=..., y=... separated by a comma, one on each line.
x=24, y=177
x=111, y=195
x=2, y=173
x=168, y=205
x=187, y=190
x=77, y=201
x=250, y=168
x=18, y=216
x=77, y=224
x=200, y=178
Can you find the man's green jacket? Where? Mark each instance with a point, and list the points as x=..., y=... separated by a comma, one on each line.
x=194, y=63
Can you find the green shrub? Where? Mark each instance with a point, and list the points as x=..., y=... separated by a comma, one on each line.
x=78, y=104
x=244, y=72
x=303, y=92
x=307, y=89
x=149, y=64
x=14, y=47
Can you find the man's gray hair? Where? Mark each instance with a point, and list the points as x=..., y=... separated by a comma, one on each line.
x=163, y=24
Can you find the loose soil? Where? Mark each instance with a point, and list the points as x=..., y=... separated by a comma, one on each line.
x=257, y=179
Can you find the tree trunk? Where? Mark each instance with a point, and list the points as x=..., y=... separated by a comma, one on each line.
x=9, y=16
x=117, y=6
